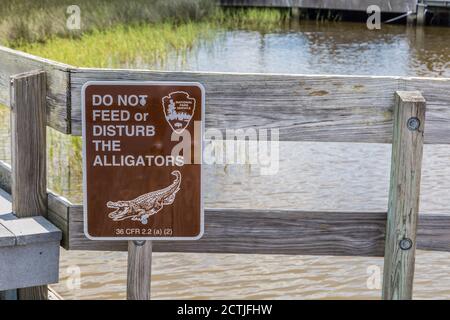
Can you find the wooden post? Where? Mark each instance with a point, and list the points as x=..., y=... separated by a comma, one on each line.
x=295, y=13
x=139, y=270
x=421, y=14
x=28, y=148
x=411, y=20
x=295, y=17
x=403, y=208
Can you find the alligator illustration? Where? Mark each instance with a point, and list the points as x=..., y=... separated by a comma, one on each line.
x=146, y=205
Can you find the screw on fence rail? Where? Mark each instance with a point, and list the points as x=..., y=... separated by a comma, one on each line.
x=405, y=244
x=413, y=124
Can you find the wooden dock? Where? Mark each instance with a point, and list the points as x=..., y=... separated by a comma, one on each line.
x=415, y=10
x=392, y=6
x=436, y=3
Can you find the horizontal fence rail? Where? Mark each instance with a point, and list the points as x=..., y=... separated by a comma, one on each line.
x=58, y=92
x=303, y=107
x=262, y=231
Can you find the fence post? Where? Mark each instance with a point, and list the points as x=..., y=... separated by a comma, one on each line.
x=139, y=270
x=421, y=14
x=28, y=151
x=403, y=207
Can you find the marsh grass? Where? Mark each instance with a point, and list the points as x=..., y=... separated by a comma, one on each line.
x=134, y=46
x=262, y=19
x=26, y=21
x=120, y=33
x=135, y=36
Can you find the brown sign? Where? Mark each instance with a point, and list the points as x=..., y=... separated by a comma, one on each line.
x=142, y=149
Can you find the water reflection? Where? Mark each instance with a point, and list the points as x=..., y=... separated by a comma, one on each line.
x=323, y=48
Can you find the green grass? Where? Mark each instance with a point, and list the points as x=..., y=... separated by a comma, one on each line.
x=147, y=45
x=26, y=21
x=122, y=46
x=262, y=19
x=123, y=33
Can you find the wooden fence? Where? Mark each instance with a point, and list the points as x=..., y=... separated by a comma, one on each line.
x=324, y=108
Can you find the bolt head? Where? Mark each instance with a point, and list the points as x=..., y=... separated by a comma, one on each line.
x=406, y=244
x=413, y=124
x=139, y=243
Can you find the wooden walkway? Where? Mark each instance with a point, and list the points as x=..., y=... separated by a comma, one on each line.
x=437, y=3
x=394, y=6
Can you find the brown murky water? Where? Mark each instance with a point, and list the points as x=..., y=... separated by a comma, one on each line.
x=311, y=176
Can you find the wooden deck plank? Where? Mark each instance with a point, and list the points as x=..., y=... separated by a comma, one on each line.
x=29, y=250
x=32, y=230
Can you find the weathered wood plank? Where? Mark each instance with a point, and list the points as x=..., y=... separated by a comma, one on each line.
x=28, y=146
x=29, y=157
x=354, y=5
x=433, y=231
x=262, y=231
x=139, y=270
x=283, y=232
x=31, y=243
x=303, y=108
x=58, y=207
x=58, y=108
x=30, y=265
x=58, y=214
x=404, y=195
x=32, y=230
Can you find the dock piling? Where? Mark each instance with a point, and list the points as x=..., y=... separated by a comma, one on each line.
x=421, y=10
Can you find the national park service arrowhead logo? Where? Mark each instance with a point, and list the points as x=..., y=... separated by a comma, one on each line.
x=178, y=109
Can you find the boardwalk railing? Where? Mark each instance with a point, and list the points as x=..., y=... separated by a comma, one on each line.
x=304, y=108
